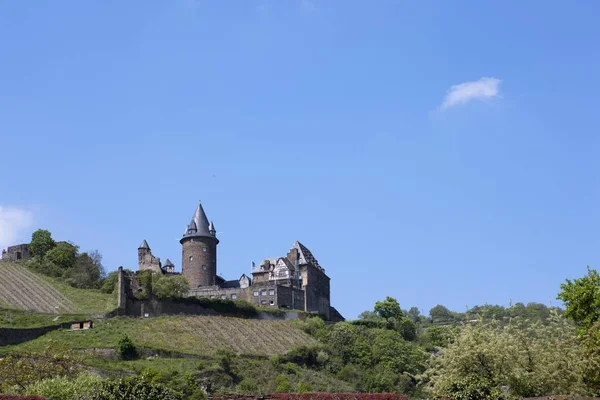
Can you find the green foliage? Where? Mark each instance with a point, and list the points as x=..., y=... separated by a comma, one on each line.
x=64, y=388
x=110, y=282
x=406, y=327
x=414, y=315
x=19, y=372
x=88, y=271
x=134, y=388
x=63, y=255
x=439, y=336
x=41, y=243
x=440, y=313
x=397, y=355
x=519, y=360
x=303, y=387
x=228, y=361
x=388, y=308
x=582, y=299
x=283, y=384
x=126, y=350
x=145, y=279
x=248, y=386
x=169, y=287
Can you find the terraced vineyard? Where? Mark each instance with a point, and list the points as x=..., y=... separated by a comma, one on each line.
x=22, y=289
x=200, y=335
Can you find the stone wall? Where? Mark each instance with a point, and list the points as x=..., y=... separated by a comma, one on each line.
x=16, y=253
x=199, y=261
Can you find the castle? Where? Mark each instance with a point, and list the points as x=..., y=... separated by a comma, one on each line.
x=294, y=281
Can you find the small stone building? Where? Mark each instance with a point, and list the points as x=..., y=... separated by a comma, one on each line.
x=18, y=252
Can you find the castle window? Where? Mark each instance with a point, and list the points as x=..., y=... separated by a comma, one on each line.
x=212, y=296
x=264, y=302
x=191, y=258
x=204, y=249
x=256, y=293
x=263, y=292
x=272, y=292
x=234, y=296
x=223, y=296
x=272, y=302
x=203, y=267
x=19, y=256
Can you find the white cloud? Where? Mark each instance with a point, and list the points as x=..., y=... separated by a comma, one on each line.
x=13, y=221
x=462, y=93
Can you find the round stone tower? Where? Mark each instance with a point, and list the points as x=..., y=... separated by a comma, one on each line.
x=199, y=251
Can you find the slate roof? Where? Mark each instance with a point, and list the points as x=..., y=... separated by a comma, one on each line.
x=305, y=256
x=199, y=225
x=169, y=263
x=144, y=245
x=230, y=284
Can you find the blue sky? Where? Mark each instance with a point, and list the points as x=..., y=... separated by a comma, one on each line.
x=437, y=152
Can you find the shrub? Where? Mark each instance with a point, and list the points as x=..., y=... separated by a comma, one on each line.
x=248, y=385
x=126, y=350
x=283, y=384
x=303, y=387
x=63, y=388
x=135, y=388
x=338, y=396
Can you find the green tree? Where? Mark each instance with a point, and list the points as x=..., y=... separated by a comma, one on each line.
x=487, y=360
x=169, y=287
x=388, y=308
x=582, y=299
x=110, y=282
x=414, y=315
x=63, y=255
x=440, y=313
x=88, y=271
x=126, y=350
x=41, y=243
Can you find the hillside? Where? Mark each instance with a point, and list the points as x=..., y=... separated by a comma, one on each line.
x=20, y=288
x=197, y=335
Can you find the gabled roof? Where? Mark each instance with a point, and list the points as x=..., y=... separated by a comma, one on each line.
x=144, y=245
x=169, y=263
x=305, y=256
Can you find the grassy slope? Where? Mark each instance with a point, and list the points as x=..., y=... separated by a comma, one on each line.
x=20, y=288
x=199, y=335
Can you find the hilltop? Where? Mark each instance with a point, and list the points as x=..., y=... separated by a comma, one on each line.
x=23, y=289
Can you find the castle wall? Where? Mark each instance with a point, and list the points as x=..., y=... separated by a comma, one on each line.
x=317, y=290
x=146, y=261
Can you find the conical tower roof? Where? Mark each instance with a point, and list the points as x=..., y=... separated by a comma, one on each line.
x=144, y=245
x=199, y=225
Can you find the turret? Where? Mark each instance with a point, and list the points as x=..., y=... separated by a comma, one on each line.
x=199, y=251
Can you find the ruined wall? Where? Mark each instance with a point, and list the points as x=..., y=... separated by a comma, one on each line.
x=19, y=252
x=146, y=261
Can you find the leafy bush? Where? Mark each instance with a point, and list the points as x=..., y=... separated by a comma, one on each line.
x=135, y=388
x=63, y=388
x=283, y=384
x=248, y=385
x=11, y=397
x=126, y=350
x=169, y=287
x=110, y=283
x=337, y=396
